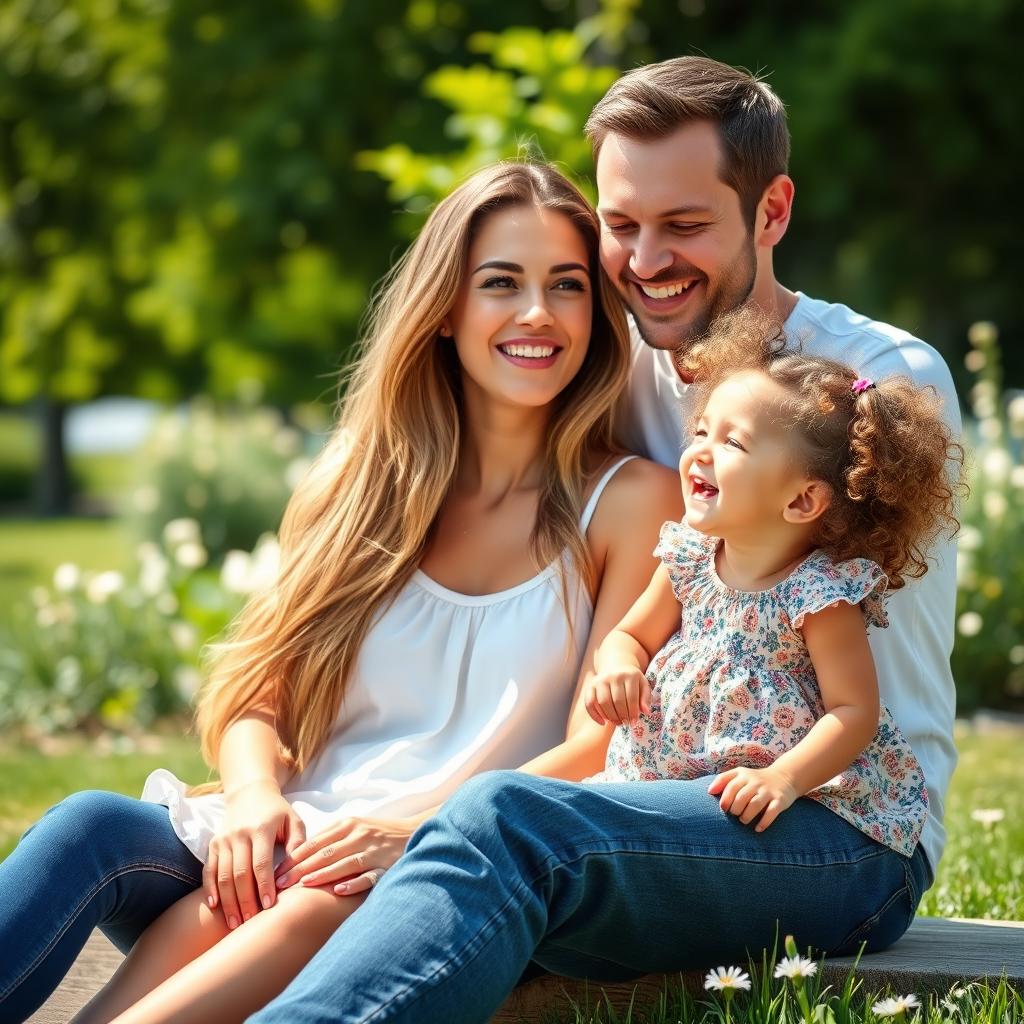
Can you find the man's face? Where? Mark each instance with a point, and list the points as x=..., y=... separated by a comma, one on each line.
x=673, y=236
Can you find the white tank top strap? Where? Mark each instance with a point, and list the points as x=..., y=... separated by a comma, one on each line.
x=595, y=497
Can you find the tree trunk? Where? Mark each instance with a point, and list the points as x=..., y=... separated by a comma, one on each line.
x=52, y=495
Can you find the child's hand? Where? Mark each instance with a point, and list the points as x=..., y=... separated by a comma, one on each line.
x=748, y=792
x=619, y=696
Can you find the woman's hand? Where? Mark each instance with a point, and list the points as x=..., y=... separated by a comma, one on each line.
x=239, y=871
x=749, y=792
x=354, y=852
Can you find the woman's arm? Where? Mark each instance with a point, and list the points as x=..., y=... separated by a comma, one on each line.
x=838, y=645
x=637, y=501
x=239, y=871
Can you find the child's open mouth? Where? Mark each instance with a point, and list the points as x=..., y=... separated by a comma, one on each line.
x=701, y=488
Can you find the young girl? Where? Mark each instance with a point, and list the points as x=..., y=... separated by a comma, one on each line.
x=467, y=530
x=808, y=492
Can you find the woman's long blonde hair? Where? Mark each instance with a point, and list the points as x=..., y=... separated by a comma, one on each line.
x=357, y=525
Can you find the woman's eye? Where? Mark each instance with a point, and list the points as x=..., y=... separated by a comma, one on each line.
x=570, y=284
x=499, y=282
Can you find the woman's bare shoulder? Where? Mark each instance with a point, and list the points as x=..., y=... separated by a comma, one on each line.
x=637, y=500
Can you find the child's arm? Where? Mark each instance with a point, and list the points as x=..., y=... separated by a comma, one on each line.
x=618, y=690
x=838, y=645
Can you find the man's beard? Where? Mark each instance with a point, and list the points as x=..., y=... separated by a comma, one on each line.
x=732, y=290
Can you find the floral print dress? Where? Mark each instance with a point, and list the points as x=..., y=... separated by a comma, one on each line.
x=734, y=686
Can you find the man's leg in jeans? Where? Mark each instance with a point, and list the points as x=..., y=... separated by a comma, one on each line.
x=605, y=881
x=94, y=860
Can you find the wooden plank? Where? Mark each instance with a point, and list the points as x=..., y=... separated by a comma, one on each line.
x=89, y=973
x=933, y=956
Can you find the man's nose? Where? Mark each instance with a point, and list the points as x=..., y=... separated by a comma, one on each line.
x=649, y=256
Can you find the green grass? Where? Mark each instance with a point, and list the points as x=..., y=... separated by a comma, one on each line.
x=36, y=779
x=30, y=549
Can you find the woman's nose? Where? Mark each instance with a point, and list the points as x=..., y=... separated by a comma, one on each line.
x=535, y=313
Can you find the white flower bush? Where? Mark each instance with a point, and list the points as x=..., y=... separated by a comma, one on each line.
x=230, y=475
x=990, y=558
x=105, y=650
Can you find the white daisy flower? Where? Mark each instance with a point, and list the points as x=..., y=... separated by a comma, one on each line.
x=988, y=816
x=727, y=979
x=795, y=967
x=896, y=1006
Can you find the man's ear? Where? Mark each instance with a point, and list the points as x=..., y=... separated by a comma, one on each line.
x=809, y=504
x=774, y=211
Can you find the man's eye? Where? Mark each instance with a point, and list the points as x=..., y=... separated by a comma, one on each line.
x=619, y=229
x=499, y=282
x=686, y=228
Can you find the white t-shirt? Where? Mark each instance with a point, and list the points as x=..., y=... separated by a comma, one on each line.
x=912, y=655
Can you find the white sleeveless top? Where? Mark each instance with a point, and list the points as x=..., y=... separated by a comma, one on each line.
x=445, y=685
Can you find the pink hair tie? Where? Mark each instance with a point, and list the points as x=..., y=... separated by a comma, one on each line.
x=861, y=384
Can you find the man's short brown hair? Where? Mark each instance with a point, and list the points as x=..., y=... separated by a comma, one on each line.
x=653, y=101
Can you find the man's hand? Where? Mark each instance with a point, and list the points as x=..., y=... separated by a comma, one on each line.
x=749, y=792
x=619, y=696
x=353, y=852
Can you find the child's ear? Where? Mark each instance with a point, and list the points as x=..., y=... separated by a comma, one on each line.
x=809, y=504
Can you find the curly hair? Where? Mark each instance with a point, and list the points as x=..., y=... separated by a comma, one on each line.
x=886, y=454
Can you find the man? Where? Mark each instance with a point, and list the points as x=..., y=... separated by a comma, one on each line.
x=609, y=882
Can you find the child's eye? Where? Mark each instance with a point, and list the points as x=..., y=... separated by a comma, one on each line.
x=700, y=432
x=499, y=282
x=735, y=443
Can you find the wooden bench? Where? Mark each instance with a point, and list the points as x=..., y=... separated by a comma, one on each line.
x=933, y=956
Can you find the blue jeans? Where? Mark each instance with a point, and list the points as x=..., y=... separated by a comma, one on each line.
x=94, y=860
x=603, y=881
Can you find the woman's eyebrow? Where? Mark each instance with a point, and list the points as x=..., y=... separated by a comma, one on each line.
x=515, y=268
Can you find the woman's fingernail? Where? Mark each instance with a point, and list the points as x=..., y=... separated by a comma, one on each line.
x=233, y=922
x=342, y=888
x=282, y=882
x=266, y=901
x=210, y=902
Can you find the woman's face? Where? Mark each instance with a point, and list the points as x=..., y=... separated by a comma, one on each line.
x=521, y=322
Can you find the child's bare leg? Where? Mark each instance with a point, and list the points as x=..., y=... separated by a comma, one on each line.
x=249, y=966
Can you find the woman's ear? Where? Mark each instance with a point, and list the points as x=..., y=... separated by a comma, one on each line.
x=809, y=504
x=445, y=329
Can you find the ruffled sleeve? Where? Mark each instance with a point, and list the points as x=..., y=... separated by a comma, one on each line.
x=685, y=553
x=821, y=583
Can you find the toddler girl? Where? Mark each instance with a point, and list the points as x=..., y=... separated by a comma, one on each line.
x=808, y=491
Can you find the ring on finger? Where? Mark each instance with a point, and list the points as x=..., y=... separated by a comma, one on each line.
x=374, y=875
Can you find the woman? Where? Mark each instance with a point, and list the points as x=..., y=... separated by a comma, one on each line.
x=466, y=538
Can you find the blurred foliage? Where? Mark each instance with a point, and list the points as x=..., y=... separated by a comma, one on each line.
x=988, y=657
x=231, y=473
x=181, y=206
